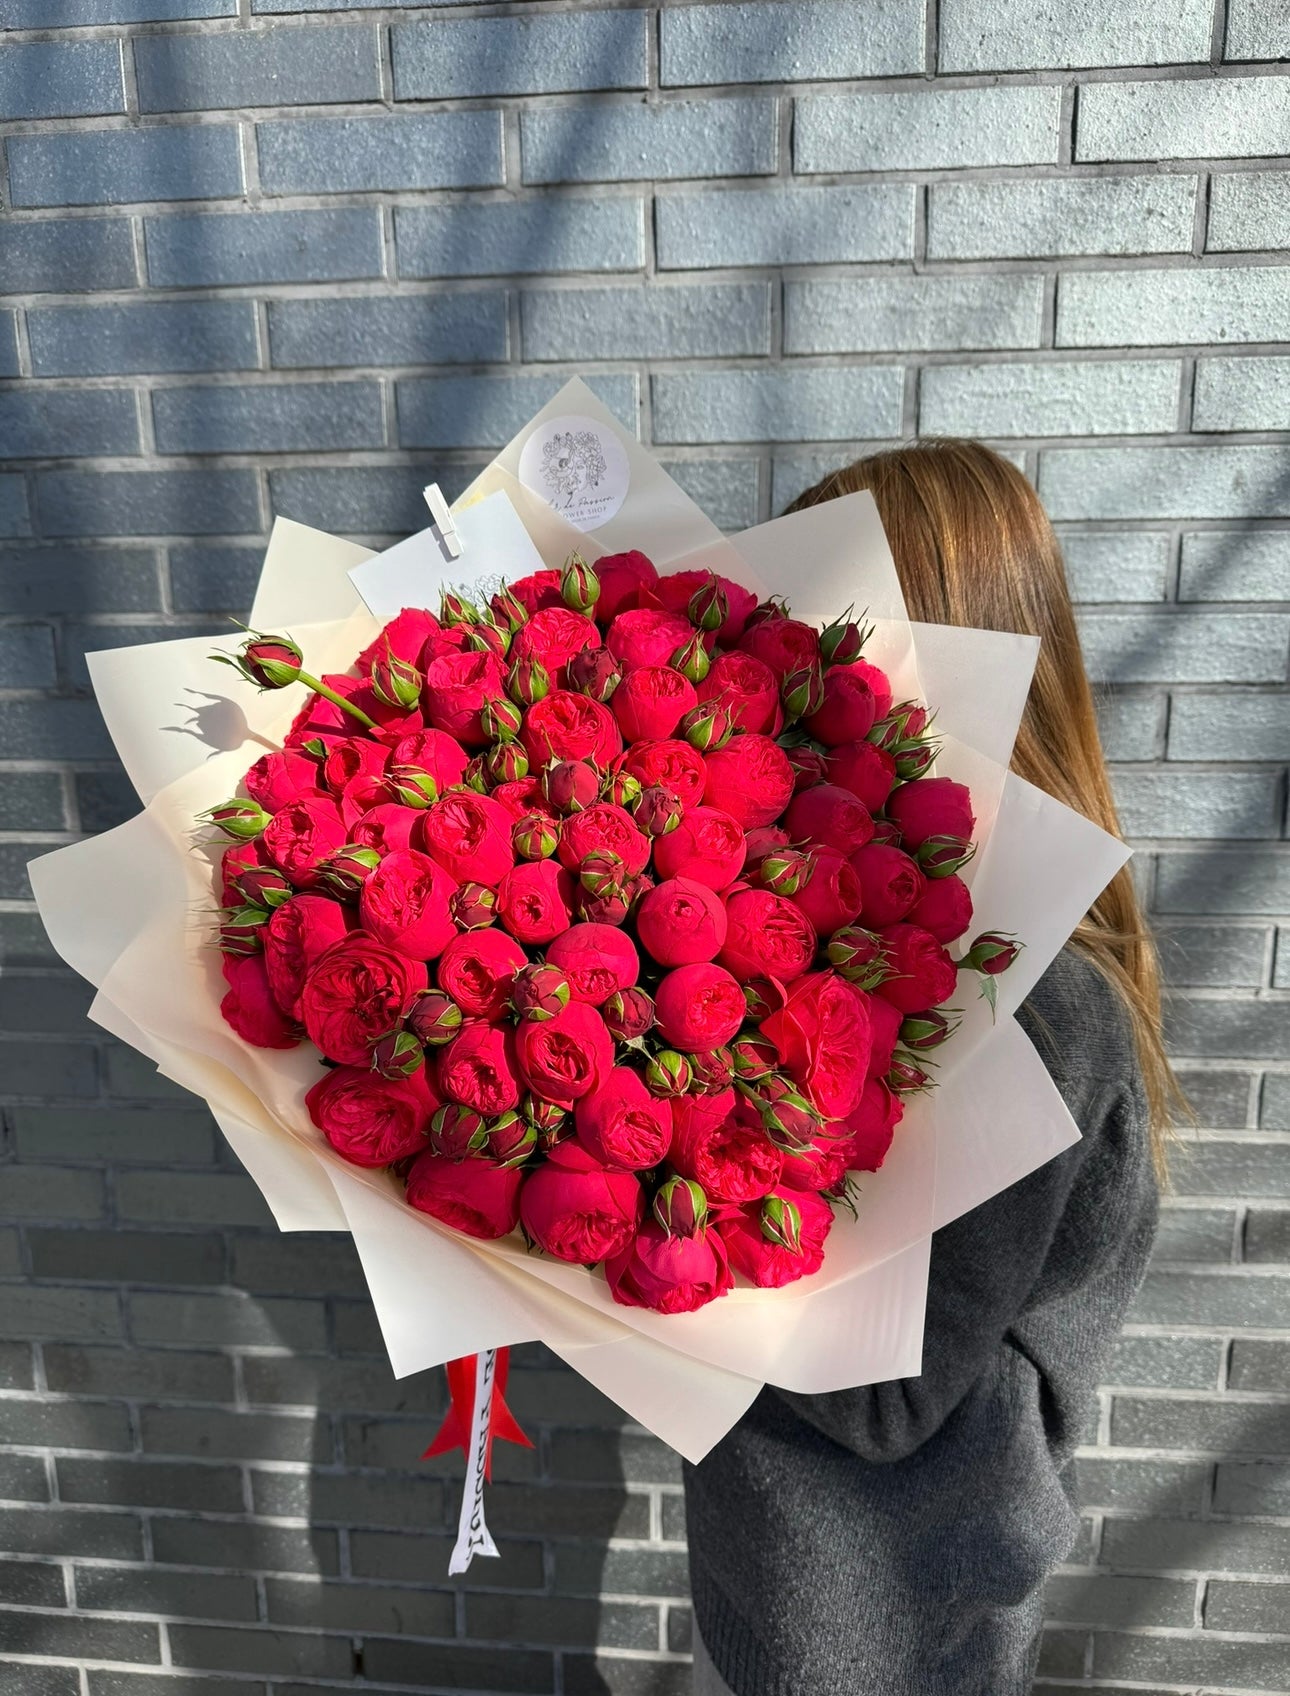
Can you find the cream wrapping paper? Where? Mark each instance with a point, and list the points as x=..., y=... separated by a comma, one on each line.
x=186, y=732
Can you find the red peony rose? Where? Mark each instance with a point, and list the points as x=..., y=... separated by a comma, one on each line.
x=535, y=901
x=698, y=1007
x=567, y=726
x=651, y=701
x=784, y=644
x=301, y=834
x=867, y=771
x=708, y=846
x=297, y=933
x=598, y=960
x=575, y=1209
x=404, y=904
x=822, y=1036
x=890, y=883
x=603, y=828
x=750, y=778
x=849, y=708
x=747, y=688
x=923, y=975
x=622, y=576
x=552, y=637
x=478, y=1068
x=454, y=692
x=356, y=993
x=371, y=1120
x=621, y=1124
x=670, y=1274
x=432, y=751
x=944, y=908
x=647, y=636
x=279, y=777
x=404, y=637
x=870, y=1125
x=470, y=836
x=766, y=936
x=681, y=922
x=389, y=828
x=476, y=969
x=250, y=1007
x=564, y=1058
x=719, y=1141
x=831, y=816
x=540, y=589
x=770, y=1264
x=675, y=592
x=473, y=1196
x=884, y=1031
x=931, y=806
x=671, y=764
x=830, y=897
x=354, y=757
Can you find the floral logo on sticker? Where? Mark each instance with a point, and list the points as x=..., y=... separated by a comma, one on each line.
x=578, y=467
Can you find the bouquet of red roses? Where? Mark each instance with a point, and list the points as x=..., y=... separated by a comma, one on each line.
x=617, y=911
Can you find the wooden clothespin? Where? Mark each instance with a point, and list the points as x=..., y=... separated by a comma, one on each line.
x=443, y=521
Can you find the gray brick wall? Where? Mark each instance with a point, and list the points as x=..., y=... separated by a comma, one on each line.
x=295, y=255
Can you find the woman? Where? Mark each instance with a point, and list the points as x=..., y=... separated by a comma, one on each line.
x=894, y=1540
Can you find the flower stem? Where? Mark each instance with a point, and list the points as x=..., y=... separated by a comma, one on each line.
x=320, y=688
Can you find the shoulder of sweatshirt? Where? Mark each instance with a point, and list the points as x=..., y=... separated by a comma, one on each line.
x=1079, y=1026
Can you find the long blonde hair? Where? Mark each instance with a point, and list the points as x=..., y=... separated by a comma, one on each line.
x=974, y=546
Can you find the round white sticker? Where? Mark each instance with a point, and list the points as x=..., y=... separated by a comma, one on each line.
x=578, y=467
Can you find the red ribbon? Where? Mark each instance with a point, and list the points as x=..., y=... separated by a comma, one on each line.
x=454, y=1433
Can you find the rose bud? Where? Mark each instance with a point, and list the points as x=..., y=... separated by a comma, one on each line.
x=398, y=1055
x=786, y=871
x=472, y=906
x=411, y=786
x=501, y=719
x=781, y=1222
x=681, y=922
x=802, y=691
x=622, y=1124
x=762, y=998
x=905, y=1078
x=709, y=606
x=609, y=909
x=486, y=638
x=579, y=585
x=932, y=807
x=528, y=681
x=395, y=682
x=262, y=886
x=433, y=1018
x=681, y=1207
x=602, y=872
x=241, y=929
x=714, y=1070
x=921, y=1032
x=841, y=641
x=992, y=952
x=767, y=1260
x=577, y=1210
x=753, y=1057
x=345, y=871
x=571, y=785
x=691, y=659
x=944, y=908
x=241, y=820
x=668, y=1073
x=900, y=725
x=916, y=761
x=943, y=856
x=510, y=1140
x=455, y=609
x=765, y=840
x=535, y=836
x=708, y=727
x=550, y=1121
x=505, y=762
x=790, y=1121
x=509, y=611
x=809, y=766
x=539, y=992
x=858, y=956
x=594, y=672
x=623, y=789
x=270, y=662
x=650, y=702
x=657, y=810
x=698, y=1007
x=472, y=1196
x=628, y=1014
x=921, y=972
x=476, y=776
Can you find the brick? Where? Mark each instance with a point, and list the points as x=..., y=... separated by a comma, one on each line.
x=363, y=1499
x=443, y=329
x=172, y=335
x=1275, y=1114
x=1102, y=1599
x=1199, y=803
x=65, y=255
x=1213, y=956
x=27, y=1422
x=457, y=1667
x=1183, y=647
x=793, y=472
x=66, y=1634
x=67, y=423
x=668, y=322
x=1164, y=482
x=10, y=1255
x=1230, y=1662
x=103, y=799
x=148, y=503
x=22, y=1479
x=27, y=662
x=644, y=1571
x=148, y=1484
x=1159, y=1486
x=243, y=1547
x=152, y=1684
x=564, y=1620
x=1215, y=1300
x=174, y=1595
x=108, y=1135
x=129, y=1073
x=1217, y=882
x=1229, y=726
x=214, y=579
x=331, y=1385
x=364, y=500
x=1195, y=1545
x=1246, y=1607
x=1258, y=1365
x=1127, y=397
x=1267, y=1235
x=944, y=129
x=88, y=1315
x=1218, y=1029
x=1160, y=308
x=228, y=1648
x=209, y=1433
x=35, y=14
x=403, y=150
x=551, y=53
x=261, y=67
x=673, y=1517
x=1241, y=394
x=227, y=1321
x=9, y=364
x=30, y=1678
x=1252, y=1487
x=1194, y=1233
x=800, y=42
x=1233, y=565
x=870, y=314
x=587, y=1675
x=1061, y=215
x=297, y=1265
x=798, y=226
x=777, y=404
x=15, y=519
x=1124, y=565
x=1247, y=210
x=605, y=1457
x=128, y=1257
x=62, y=579
x=170, y=1374
x=31, y=1583
x=77, y=79
x=116, y=167
x=268, y=418
x=360, y=1607
x=42, y=1004
x=726, y=489
x=1232, y=117
x=628, y=142
x=1256, y=32
x=15, y=1367
x=317, y=246
x=197, y=1198
x=449, y=412
x=65, y=1531
x=1035, y=35
x=496, y=237
x=1221, y=1099
x=52, y=1192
